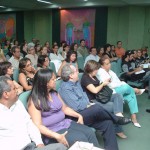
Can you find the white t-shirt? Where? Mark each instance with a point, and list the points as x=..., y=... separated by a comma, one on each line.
x=16, y=128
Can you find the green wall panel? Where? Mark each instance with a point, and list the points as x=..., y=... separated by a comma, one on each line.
x=38, y=24
x=129, y=24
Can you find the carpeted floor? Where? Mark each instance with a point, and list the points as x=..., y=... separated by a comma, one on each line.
x=138, y=138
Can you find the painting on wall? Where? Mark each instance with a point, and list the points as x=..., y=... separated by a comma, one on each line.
x=7, y=27
x=77, y=25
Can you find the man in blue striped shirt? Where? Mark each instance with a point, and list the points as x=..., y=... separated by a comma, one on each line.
x=93, y=115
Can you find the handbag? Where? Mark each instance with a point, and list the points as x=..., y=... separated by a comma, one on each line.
x=104, y=95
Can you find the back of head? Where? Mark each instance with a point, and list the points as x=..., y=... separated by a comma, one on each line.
x=4, y=85
x=91, y=66
x=3, y=67
x=65, y=72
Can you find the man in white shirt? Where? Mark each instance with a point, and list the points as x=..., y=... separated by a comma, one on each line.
x=56, y=58
x=16, y=127
x=14, y=60
x=93, y=55
x=32, y=55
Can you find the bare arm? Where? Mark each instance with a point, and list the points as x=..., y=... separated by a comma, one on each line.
x=36, y=117
x=70, y=112
x=23, y=82
x=94, y=89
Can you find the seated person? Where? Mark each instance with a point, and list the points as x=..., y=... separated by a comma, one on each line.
x=43, y=62
x=128, y=93
x=66, y=48
x=71, y=58
x=16, y=129
x=56, y=58
x=139, y=60
x=32, y=55
x=26, y=73
x=130, y=73
x=92, y=56
x=48, y=112
x=93, y=115
x=107, y=52
x=6, y=69
x=16, y=57
x=2, y=56
x=74, y=47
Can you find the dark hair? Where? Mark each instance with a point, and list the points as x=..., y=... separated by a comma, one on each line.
x=127, y=53
x=69, y=53
x=39, y=91
x=72, y=46
x=22, y=64
x=118, y=42
x=91, y=49
x=62, y=42
x=65, y=45
x=3, y=67
x=54, y=46
x=41, y=60
x=106, y=46
x=13, y=49
x=91, y=66
x=82, y=40
x=103, y=58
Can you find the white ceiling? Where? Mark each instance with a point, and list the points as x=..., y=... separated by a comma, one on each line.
x=14, y=5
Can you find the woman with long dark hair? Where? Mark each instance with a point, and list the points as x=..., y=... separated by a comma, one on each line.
x=26, y=73
x=71, y=58
x=48, y=113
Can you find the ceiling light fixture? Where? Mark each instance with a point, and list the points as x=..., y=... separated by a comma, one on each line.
x=85, y=0
x=2, y=7
x=44, y=1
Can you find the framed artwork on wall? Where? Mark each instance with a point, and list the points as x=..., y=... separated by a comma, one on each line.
x=78, y=24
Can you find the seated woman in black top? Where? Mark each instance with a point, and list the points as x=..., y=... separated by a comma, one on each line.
x=91, y=85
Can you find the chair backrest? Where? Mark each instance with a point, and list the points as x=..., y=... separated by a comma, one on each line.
x=58, y=82
x=16, y=74
x=23, y=97
x=80, y=62
x=52, y=66
x=80, y=75
x=114, y=67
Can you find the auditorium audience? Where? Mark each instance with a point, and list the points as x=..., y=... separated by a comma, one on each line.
x=128, y=93
x=17, y=131
x=48, y=112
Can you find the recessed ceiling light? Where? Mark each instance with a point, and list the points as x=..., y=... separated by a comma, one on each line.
x=85, y=0
x=44, y=1
x=2, y=7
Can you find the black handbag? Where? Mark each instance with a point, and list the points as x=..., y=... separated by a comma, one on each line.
x=104, y=95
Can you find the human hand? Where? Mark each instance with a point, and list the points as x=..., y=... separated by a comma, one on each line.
x=40, y=145
x=80, y=120
x=61, y=139
x=106, y=82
